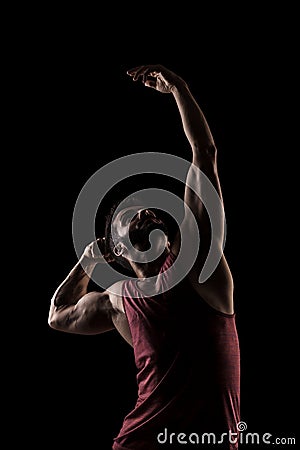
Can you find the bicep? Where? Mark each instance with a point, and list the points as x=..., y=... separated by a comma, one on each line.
x=203, y=194
x=92, y=314
x=204, y=218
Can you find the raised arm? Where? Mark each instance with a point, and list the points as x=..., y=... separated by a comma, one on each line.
x=204, y=165
x=75, y=310
x=218, y=289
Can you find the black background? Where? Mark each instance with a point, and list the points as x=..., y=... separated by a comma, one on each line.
x=88, y=113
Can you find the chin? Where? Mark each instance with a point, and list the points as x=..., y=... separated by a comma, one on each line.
x=140, y=238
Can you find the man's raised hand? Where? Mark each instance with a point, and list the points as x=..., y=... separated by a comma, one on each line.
x=157, y=77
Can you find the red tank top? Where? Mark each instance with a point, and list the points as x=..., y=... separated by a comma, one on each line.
x=188, y=370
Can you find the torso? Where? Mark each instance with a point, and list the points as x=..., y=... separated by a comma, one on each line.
x=217, y=293
x=175, y=335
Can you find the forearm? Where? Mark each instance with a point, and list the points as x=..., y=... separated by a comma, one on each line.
x=193, y=120
x=75, y=284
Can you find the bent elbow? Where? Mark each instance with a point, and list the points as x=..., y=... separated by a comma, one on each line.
x=205, y=156
x=52, y=322
x=54, y=319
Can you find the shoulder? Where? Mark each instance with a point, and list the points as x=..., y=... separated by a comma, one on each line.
x=115, y=295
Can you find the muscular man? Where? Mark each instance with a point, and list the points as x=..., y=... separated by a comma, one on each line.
x=184, y=338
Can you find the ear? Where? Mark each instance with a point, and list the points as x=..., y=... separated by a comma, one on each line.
x=119, y=249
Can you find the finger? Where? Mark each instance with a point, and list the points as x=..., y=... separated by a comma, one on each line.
x=141, y=72
x=136, y=72
x=144, y=72
x=150, y=83
x=151, y=79
x=109, y=258
x=100, y=244
x=131, y=72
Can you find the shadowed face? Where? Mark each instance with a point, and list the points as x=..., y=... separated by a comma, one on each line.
x=139, y=222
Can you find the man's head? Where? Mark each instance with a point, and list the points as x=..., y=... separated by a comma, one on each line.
x=128, y=229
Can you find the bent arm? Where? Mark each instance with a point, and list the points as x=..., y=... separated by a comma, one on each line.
x=92, y=314
x=75, y=310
